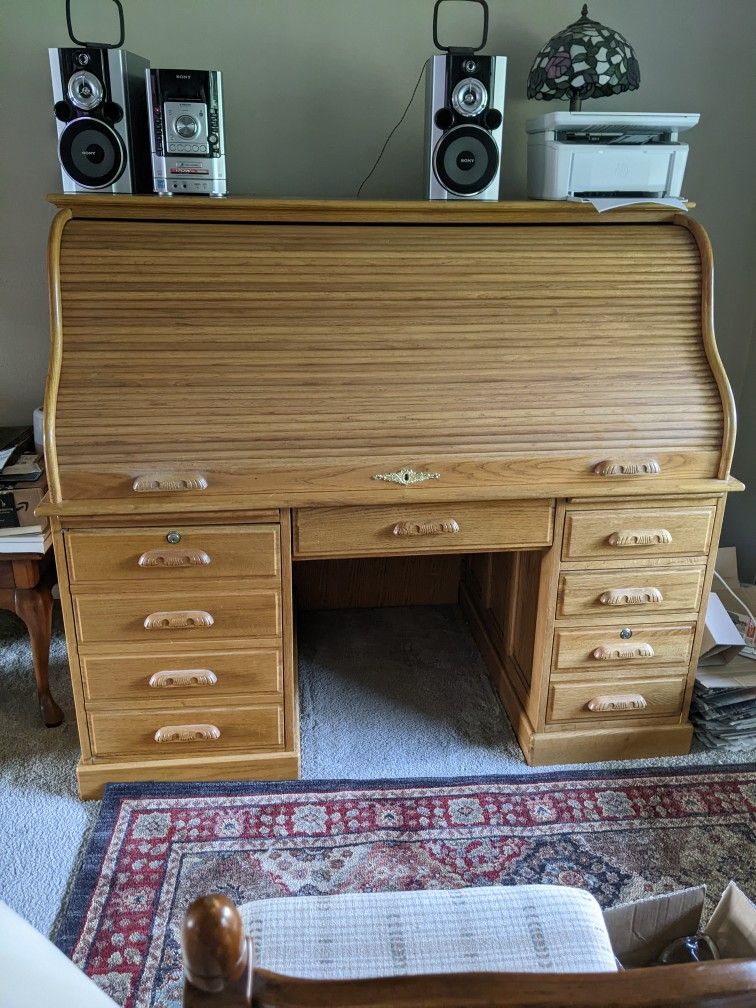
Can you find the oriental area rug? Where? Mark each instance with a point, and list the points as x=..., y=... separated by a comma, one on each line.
x=622, y=835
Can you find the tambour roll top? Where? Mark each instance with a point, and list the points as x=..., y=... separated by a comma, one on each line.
x=253, y=348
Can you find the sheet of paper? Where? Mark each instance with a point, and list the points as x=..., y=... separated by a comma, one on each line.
x=614, y=202
x=5, y=454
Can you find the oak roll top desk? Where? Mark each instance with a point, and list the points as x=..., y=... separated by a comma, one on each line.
x=236, y=385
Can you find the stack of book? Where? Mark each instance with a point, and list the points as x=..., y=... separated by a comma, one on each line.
x=22, y=486
x=25, y=539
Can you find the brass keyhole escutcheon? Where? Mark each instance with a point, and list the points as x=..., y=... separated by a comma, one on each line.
x=173, y=538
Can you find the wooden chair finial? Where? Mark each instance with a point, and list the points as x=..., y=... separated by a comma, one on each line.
x=216, y=952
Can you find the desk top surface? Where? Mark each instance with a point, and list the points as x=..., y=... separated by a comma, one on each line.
x=247, y=208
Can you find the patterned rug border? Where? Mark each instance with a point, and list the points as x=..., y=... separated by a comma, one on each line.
x=81, y=893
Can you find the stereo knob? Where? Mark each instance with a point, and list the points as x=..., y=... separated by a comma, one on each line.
x=186, y=126
x=492, y=119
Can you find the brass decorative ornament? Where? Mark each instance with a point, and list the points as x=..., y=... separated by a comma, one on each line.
x=407, y=476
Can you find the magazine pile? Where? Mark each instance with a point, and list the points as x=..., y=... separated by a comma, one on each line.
x=22, y=486
x=723, y=710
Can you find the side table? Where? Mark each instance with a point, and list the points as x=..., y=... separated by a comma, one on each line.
x=26, y=582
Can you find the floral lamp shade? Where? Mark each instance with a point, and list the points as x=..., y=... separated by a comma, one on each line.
x=584, y=60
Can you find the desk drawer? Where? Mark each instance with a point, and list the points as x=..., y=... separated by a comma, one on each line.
x=197, y=677
x=634, y=699
x=602, y=650
x=422, y=528
x=185, y=731
x=634, y=533
x=191, y=617
x=617, y=594
x=146, y=555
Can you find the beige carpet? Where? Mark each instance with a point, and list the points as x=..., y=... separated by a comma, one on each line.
x=385, y=693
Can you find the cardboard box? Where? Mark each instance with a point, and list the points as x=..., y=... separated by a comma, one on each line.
x=640, y=931
x=8, y=513
x=732, y=926
x=737, y=598
x=27, y=499
x=722, y=641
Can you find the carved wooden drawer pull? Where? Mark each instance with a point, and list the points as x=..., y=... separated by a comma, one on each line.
x=630, y=596
x=174, y=558
x=183, y=677
x=426, y=528
x=157, y=482
x=621, y=652
x=620, y=467
x=180, y=620
x=640, y=537
x=617, y=701
x=187, y=733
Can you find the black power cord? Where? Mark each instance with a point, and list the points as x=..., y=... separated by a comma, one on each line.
x=97, y=45
x=401, y=120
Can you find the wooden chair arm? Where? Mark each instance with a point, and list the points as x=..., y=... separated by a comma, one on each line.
x=218, y=956
x=727, y=982
x=218, y=960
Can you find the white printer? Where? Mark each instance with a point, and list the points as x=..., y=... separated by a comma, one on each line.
x=595, y=154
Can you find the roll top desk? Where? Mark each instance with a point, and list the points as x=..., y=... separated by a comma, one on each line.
x=241, y=384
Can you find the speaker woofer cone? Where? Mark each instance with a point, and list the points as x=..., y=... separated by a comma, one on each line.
x=92, y=153
x=466, y=160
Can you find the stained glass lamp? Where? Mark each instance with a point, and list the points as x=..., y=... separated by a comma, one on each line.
x=583, y=60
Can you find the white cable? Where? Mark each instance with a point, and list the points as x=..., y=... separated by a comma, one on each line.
x=736, y=597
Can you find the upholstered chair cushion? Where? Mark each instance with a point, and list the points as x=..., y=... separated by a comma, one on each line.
x=532, y=928
x=34, y=973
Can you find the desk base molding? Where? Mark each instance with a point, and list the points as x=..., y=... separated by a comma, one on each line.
x=549, y=748
x=92, y=777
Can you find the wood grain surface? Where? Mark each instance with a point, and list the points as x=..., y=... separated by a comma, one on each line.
x=634, y=593
x=572, y=701
x=446, y=528
x=220, y=363
x=637, y=532
x=231, y=552
x=117, y=733
x=126, y=677
x=243, y=612
x=322, y=348
x=669, y=645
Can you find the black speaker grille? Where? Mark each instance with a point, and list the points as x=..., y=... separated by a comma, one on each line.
x=92, y=153
x=466, y=160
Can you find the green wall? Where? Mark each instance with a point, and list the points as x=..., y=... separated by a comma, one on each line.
x=312, y=88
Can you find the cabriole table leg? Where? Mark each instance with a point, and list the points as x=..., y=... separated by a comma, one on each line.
x=34, y=607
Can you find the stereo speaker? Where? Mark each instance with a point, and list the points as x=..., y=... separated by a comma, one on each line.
x=464, y=125
x=101, y=117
